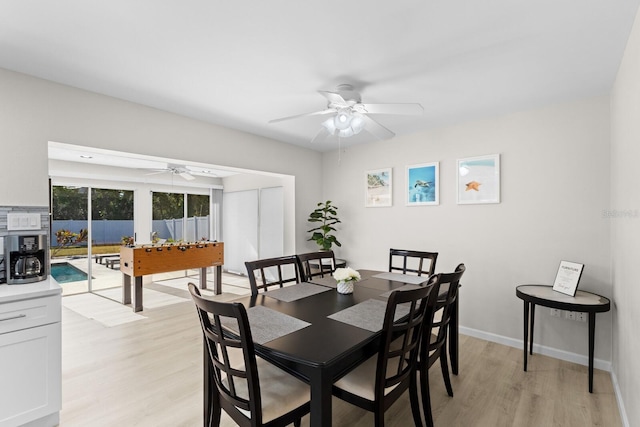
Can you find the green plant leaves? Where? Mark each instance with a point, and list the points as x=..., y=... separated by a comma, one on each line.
x=326, y=214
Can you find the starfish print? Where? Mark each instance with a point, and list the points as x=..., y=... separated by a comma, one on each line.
x=473, y=185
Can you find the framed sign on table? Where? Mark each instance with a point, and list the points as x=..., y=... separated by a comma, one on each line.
x=568, y=277
x=378, y=186
x=478, y=180
x=423, y=184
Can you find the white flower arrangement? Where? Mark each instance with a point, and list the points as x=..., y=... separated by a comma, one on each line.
x=347, y=274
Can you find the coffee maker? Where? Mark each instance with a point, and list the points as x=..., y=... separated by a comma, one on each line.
x=25, y=257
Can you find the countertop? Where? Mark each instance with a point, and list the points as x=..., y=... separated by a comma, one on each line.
x=10, y=293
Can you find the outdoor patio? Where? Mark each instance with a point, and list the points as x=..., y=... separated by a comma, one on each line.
x=104, y=277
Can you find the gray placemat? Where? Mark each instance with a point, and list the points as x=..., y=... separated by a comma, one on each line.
x=367, y=315
x=267, y=324
x=327, y=281
x=401, y=288
x=296, y=292
x=405, y=278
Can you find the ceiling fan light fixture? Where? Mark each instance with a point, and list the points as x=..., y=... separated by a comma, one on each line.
x=342, y=120
x=330, y=126
x=346, y=133
x=357, y=123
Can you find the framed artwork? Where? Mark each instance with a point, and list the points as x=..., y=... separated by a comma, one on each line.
x=423, y=183
x=568, y=277
x=378, y=187
x=478, y=179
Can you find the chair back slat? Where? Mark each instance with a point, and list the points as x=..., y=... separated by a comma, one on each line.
x=408, y=261
x=445, y=304
x=324, y=268
x=396, y=364
x=273, y=272
x=236, y=378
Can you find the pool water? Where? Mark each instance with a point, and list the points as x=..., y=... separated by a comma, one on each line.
x=64, y=273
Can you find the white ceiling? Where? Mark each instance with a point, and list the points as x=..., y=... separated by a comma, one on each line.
x=241, y=64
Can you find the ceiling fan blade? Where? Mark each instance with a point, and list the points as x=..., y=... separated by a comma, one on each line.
x=157, y=171
x=376, y=129
x=317, y=113
x=334, y=98
x=187, y=176
x=322, y=135
x=402, y=109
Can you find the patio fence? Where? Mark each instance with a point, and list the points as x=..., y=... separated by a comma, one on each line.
x=110, y=232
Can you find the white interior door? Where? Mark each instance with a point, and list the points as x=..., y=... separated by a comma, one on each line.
x=252, y=226
x=271, y=223
x=240, y=229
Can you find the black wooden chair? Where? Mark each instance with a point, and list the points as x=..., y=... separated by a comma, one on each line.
x=378, y=382
x=264, y=273
x=434, y=341
x=324, y=260
x=415, y=262
x=252, y=391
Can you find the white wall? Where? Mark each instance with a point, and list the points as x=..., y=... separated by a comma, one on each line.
x=555, y=186
x=625, y=226
x=35, y=111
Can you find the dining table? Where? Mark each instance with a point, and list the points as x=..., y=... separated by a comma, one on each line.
x=317, y=334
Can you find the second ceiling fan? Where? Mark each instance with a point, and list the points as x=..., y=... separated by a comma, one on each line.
x=172, y=169
x=349, y=115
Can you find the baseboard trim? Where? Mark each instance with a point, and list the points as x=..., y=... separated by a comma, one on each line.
x=540, y=349
x=618, y=393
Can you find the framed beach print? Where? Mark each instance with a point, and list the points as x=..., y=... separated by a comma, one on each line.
x=378, y=187
x=423, y=184
x=478, y=179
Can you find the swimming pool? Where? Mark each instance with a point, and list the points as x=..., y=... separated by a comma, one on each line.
x=64, y=272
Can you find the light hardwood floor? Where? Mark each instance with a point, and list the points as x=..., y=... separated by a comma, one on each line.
x=149, y=373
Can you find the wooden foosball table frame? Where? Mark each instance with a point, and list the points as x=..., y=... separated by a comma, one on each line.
x=139, y=261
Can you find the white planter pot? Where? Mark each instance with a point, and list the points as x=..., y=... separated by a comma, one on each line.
x=345, y=287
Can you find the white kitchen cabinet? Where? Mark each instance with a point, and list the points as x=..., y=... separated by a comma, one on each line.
x=30, y=356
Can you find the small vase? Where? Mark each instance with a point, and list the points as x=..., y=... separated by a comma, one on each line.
x=345, y=287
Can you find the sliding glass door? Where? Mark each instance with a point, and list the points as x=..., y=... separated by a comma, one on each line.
x=69, y=237
x=180, y=217
x=85, y=253
x=111, y=226
x=173, y=223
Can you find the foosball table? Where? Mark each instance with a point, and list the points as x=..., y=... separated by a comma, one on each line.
x=142, y=260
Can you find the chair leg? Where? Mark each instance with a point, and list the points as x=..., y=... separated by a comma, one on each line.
x=216, y=410
x=414, y=399
x=297, y=422
x=426, y=396
x=379, y=417
x=444, y=366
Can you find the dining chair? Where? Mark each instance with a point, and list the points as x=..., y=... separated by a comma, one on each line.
x=435, y=335
x=267, y=272
x=378, y=382
x=251, y=390
x=408, y=261
x=325, y=261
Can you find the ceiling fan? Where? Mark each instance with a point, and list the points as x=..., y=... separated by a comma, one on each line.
x=174, y=170
x=349, y=116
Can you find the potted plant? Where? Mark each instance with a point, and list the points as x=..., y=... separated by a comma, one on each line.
x=346, y=277
x=326, y=215
x=127, y=241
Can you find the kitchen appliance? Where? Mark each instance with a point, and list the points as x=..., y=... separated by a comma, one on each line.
x=25, y=258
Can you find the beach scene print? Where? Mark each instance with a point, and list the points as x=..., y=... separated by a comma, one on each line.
x=378, y=188
x=422, y=184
